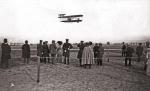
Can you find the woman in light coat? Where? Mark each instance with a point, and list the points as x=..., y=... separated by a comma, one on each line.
x=87, y=56
x=59, y=52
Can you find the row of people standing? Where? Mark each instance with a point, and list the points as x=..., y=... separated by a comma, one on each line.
x=128, y=50
x=98, y=53
x=87, y=54
x=55, y=50
x=43, y=50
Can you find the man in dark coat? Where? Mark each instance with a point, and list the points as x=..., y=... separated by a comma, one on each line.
x=81, y=47
x=96, y=50
x=40, y=50
x=6, y=50
x=129, y=53
x=100, y=54
x=139, y=51
x=123, y=49
x=147, y=44
x=66, y=51
x=45, y=52
x=26, y=52
x=53, y=51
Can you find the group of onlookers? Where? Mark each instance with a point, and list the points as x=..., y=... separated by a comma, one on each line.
x=60, y=52
x=54, y=51
x=88, y=54
x=98, y=53
x=128, y=51
x=85, y=54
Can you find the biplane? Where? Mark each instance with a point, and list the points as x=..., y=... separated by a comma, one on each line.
x=70, y=18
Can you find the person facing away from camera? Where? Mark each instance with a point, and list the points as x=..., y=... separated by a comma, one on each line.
x=59, y=51
x=66, y=51
x=81, y=47
x=45, y=52
x=129, y=54
x=145, y=58
x=100, y=54
x=96, y=50
x=123, y=49
x=147, y=44
x=26, y=52
x=6, y=50
x=53, y=51
x=87, y=55
x=40, y=50
x=139, y=51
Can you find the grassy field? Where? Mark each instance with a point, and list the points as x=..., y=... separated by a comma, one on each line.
x=112, y=76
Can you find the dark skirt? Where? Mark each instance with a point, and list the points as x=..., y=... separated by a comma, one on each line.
x=80, y=54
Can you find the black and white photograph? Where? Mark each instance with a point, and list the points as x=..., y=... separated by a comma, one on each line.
x=74, y=45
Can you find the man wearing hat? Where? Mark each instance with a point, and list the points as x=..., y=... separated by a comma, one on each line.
x=81, y=47
x=40, y=50
x=139, y=51
x=26, y=52
x=129, y=54
x=100, y=54
x=66, y=51
x=45, y=50
x=123, y=49
x=53, y=51
x=6, y=50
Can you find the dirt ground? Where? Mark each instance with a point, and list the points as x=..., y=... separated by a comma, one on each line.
x=112, y=76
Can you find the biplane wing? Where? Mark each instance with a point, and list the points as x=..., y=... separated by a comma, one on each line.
x=71, y=21
x=69, y=16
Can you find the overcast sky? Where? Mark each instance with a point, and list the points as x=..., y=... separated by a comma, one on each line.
x=104, y=20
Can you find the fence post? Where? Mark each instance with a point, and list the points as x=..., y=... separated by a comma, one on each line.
x=108, y=43
x=38, y=70
x=108, y=56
